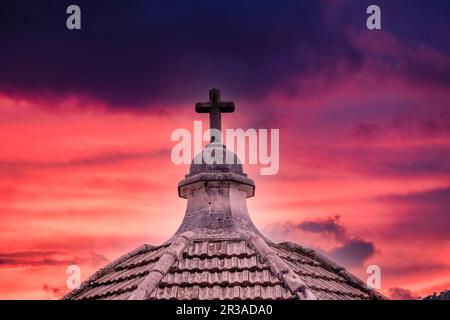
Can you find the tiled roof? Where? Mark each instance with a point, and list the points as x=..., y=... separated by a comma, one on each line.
x=325, y=279
x=214, y=268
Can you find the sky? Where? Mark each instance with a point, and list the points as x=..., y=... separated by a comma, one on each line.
x=86, y=118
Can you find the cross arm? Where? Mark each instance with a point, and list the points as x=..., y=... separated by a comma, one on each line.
x=203, y=107
x=226, y=106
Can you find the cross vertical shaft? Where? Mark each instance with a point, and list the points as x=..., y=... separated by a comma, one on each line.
x=215, y=119
x=215, y=107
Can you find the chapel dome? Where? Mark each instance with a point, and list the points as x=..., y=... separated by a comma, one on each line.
x=215, y=158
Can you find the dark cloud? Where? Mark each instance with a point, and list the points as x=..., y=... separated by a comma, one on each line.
x=139, y=53
x=414, y=64
x=401, y=294
x=328, y=225
x=144, y=52
x=14, y=257
x=348, y=251
x=422, y=55
x=46, y=258
x=432, y=15
x=353, y=252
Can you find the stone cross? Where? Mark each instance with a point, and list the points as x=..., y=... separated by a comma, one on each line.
x=214, y=107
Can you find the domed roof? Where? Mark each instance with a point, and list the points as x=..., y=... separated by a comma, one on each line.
x=216, y=163
x=215, y=158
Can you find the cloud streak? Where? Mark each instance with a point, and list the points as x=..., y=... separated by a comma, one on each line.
x=22, y=259
x=110, y=158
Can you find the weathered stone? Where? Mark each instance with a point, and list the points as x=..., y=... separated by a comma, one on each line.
x=147, y=286
x=216, y=197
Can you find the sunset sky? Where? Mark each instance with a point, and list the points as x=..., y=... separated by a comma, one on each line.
x=86, y=118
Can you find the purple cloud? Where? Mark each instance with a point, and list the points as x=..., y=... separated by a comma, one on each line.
x=348, y=251
x=329, y=225
x=353, y=252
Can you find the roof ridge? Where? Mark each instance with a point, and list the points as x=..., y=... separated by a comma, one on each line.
x=279, y=267
x=162, y=266
x=110, y=266
x=335, y=268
